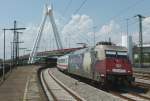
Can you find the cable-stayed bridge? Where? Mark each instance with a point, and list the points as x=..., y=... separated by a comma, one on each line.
x=48, y=13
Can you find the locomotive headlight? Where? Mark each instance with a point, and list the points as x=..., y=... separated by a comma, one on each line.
x=102, y=75
x=107, y=70
x=129, y=71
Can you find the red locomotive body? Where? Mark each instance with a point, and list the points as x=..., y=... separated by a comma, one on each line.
x=114, y=68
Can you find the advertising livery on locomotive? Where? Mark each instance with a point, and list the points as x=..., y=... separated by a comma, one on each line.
x=103, y=63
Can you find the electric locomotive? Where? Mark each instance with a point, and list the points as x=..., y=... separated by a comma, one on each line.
x=105, y=63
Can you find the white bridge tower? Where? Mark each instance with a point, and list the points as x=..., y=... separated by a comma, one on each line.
x=48, y=12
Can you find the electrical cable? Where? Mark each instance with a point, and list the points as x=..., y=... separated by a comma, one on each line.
x=126, y=9
x=82, y=4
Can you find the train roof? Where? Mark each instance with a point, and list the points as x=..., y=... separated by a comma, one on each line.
x=104, y=47
x=82, y=50
x=111, y=47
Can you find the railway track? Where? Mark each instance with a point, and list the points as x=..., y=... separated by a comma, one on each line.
x=142, y=79
x=130, y=96
x=142, y=85
x=142, y=75
x=55, y=90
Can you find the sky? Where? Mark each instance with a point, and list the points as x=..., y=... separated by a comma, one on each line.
x=77, y=21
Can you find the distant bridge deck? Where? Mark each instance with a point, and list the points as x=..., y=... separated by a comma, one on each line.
x=53, y=52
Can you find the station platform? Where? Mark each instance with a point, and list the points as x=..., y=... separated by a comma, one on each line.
x=22, y=85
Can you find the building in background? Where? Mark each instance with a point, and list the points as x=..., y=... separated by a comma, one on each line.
x=146, y=55
x=127, y=42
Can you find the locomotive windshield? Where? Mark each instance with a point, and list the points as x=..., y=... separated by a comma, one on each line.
x=116, y=54
x=122, y=54
x=110, y=53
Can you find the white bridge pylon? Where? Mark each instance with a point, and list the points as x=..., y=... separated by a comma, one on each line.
x=48, y=12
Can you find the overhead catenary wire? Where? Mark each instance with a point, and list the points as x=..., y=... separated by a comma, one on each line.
x=119, y=13
x=78, y=9
x=125, y=10
x=133, y=23
x=114, y=17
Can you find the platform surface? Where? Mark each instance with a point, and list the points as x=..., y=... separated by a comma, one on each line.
x=21, y=85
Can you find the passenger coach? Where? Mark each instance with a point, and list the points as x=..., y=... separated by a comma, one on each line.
x=62, y=62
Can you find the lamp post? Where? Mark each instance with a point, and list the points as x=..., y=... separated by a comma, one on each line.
x=28, y=50
x=94, y=27
x=4, y=57
x=22, y=54
x=11, y=62
x=127, y=21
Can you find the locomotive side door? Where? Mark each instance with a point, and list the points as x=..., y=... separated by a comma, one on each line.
x=87, y=64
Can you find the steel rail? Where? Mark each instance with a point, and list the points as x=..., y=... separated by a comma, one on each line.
x=121, y=96
x=73, y=94
x=141, y=96
x=49, y=90
x=145, y=85
x=130, y=93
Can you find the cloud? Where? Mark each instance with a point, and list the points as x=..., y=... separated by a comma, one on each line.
x=77, y=29
x=111, y=30
x=146, y=30
x=30, y=34
x=28, y=37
